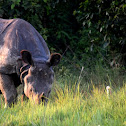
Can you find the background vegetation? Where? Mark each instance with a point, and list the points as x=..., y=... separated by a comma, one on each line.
x=85, y=32
x=90, y=35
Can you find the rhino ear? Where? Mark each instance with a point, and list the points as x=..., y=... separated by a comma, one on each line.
x=26, y=57
x=54, y=59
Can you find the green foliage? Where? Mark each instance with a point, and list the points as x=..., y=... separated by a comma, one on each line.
x=94, y=30
x=105, y=21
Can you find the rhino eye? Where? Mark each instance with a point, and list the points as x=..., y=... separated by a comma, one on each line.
x=31, y=90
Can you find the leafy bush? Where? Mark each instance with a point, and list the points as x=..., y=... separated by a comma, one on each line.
x=105, y=21
x=93, y=30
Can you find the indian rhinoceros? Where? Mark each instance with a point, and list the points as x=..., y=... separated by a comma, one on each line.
x=25, y=58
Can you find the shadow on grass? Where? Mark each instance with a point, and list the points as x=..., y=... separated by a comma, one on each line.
x=15, y=123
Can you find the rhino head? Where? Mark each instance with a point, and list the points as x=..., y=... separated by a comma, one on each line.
x=37, y=76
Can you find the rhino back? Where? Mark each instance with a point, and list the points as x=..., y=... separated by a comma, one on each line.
x=17, y=35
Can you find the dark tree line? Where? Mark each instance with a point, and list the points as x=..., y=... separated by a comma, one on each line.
x=87, y=31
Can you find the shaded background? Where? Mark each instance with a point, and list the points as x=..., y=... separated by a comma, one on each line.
x=84, y=32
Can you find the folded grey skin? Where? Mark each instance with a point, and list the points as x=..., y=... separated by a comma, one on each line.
x=20, y=45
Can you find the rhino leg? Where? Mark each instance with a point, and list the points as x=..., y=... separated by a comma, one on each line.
x=8, y=89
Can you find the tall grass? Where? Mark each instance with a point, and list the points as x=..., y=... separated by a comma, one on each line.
x=70, y=108
x=71, y=105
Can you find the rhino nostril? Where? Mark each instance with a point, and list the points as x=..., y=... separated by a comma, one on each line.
x=43, y=98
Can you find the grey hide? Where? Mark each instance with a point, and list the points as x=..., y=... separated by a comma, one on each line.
x=25, y=57
x=17, y=35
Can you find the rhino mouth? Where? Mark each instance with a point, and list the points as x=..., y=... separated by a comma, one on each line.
x=43, y=99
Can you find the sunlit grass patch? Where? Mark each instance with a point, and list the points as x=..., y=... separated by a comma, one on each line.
x=70, y=107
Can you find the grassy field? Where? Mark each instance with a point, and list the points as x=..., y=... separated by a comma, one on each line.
x=71, y=105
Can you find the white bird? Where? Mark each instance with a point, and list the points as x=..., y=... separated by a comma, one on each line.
x=108, y=91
